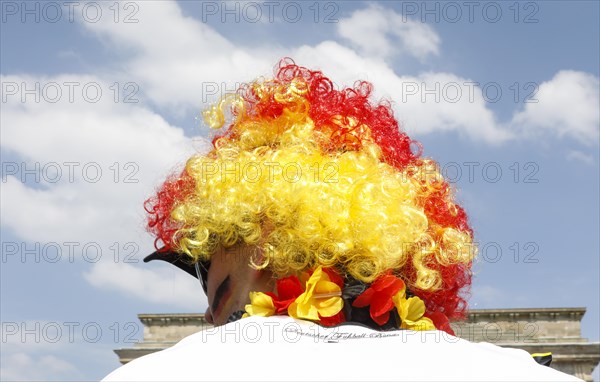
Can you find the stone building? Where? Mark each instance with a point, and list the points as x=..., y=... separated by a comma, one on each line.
x=541, y=330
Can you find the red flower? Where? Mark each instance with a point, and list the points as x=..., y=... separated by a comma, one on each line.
x=379, y=297
x=441, y=322
x=288, y=289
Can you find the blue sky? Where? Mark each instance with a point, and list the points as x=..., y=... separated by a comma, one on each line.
x=505, y=98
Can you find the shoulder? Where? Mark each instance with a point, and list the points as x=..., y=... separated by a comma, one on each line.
x=281, y=348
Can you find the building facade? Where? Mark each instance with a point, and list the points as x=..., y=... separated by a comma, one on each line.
x=541, y=330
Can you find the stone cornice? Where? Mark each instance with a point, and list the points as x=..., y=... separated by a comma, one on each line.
x=570, y=314
x=172, y=318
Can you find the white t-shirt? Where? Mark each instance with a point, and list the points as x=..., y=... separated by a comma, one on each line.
x=281, y=348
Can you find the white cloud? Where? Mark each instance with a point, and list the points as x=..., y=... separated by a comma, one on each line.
x=178, y=77
x=174, y=75
x=579, y=156
x=567, y=108
x=454, y=106
x=84, y=141
x=56, y=351
x=380, y=32
x=180, y=291
x=178, y=65
x=26, y=357
x=64, y=206
x=458, y=107
x=24, y=367
x=181, y=67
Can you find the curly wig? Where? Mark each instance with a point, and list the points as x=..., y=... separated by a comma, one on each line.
x=314, y=176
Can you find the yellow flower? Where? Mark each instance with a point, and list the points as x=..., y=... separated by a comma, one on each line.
x=411, y=312
x=261, y=304
x=321, y=297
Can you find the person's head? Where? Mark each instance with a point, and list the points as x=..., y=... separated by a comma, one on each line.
x=310, y=186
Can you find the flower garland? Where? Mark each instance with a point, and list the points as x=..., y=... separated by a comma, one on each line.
x=323, y=297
